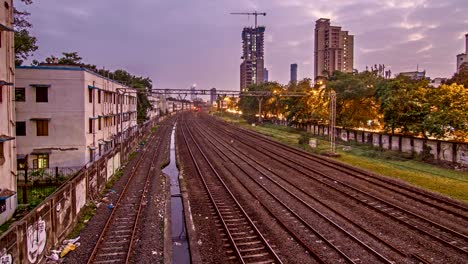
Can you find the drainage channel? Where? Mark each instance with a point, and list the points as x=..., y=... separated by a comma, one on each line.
x=180, y=246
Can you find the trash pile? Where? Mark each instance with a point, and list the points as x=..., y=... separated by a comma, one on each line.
x=67, y=246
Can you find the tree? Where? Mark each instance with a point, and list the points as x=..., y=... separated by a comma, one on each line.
x=355, y=98
x=461, y=77
x=25, y=43
x=249, y=105
x=403, y=104
x=448, y=114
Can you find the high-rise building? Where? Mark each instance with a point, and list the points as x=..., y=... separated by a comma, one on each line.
x=463, y=57
x=252, y=66
x=192, y=92
x=8, y=201
x=265, y=75
x=212, y=96
x=294, y=73
x=334, y=49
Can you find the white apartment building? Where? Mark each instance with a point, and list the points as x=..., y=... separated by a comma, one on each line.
x=8, y=202
x=463, y=57
x=155, y=106
x=69, y=116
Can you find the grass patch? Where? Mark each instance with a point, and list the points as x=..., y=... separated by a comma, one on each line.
x=132, y=155
x=388, y=163
x=86, y=213
x=114, y=178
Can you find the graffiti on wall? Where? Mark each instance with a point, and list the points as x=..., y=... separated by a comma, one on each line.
x=36, y=237
x=5, y=258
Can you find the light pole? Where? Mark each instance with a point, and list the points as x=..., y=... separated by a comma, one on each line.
x=332, y=122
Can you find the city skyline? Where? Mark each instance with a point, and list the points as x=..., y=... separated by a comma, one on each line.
x=399, y=34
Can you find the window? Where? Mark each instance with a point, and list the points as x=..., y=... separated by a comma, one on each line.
x=3, y=206
x=91, y=155
x=21, y=163
x=99, y=97
x=42, y=94
x=20, y=94
x=42, y=127
x=90, y=95
x=41, y=162
x=91, y=128
x=2, y=156
x=99, y=123
x=21, y=128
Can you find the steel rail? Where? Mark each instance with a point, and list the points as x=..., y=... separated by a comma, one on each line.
x=121, y=196
x=245, y=215
x=416, y=228
x=343, y=168
x=254, y=166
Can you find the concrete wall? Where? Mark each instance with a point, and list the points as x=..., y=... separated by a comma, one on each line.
x=31, y=238
x=7, y=113
x=455, y=152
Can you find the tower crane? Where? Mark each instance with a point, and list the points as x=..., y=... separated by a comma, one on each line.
x=251, y=14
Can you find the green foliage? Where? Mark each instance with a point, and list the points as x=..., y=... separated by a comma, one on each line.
x=249, y=105
x=355, y=98
x=25, y=43
x=461, y=77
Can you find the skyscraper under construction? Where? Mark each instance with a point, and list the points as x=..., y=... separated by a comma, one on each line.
x=251, y=68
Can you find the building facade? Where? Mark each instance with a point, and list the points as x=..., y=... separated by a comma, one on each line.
x=414, y=75
x=266, y=78
x=293, y=73
x=8, y=201
x=252, y=66
x=463, y=57
x=334, y=49
x=213, y=96
x=68, y=116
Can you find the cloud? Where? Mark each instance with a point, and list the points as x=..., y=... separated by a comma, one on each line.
x=425, y=48
x=415, y=37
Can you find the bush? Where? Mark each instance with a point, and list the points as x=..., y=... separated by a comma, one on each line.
x=304, y=139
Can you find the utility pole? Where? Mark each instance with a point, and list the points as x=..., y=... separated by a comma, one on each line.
x=331, y=131
x=255, y=14
x=260, y=99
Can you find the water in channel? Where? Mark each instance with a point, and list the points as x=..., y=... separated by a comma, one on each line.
x=180, y=247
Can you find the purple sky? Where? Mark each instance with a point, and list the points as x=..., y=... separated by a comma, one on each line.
x=181, y=42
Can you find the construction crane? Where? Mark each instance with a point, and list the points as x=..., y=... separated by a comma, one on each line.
x=251, y=14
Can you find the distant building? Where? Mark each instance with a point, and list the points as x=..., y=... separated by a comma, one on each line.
x=463, y=57
x=294, y=73
x=265, y=75
x=213, y=96
x=192, y=92
x=436, y=82
x=252, y=66
x=414, y=75
x=68, y=116
x=8, y=198
x=334, y=49
x=155, y=109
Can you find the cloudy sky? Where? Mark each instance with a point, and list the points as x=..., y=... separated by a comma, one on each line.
x=181, y=42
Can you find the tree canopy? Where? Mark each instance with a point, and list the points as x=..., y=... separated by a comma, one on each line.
x=367, y=100
x=25, y=43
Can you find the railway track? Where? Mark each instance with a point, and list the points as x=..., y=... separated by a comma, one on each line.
x=247, y=242
x=116, y=241
x=419, y=196
x=330, y=250
x=436, y=232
